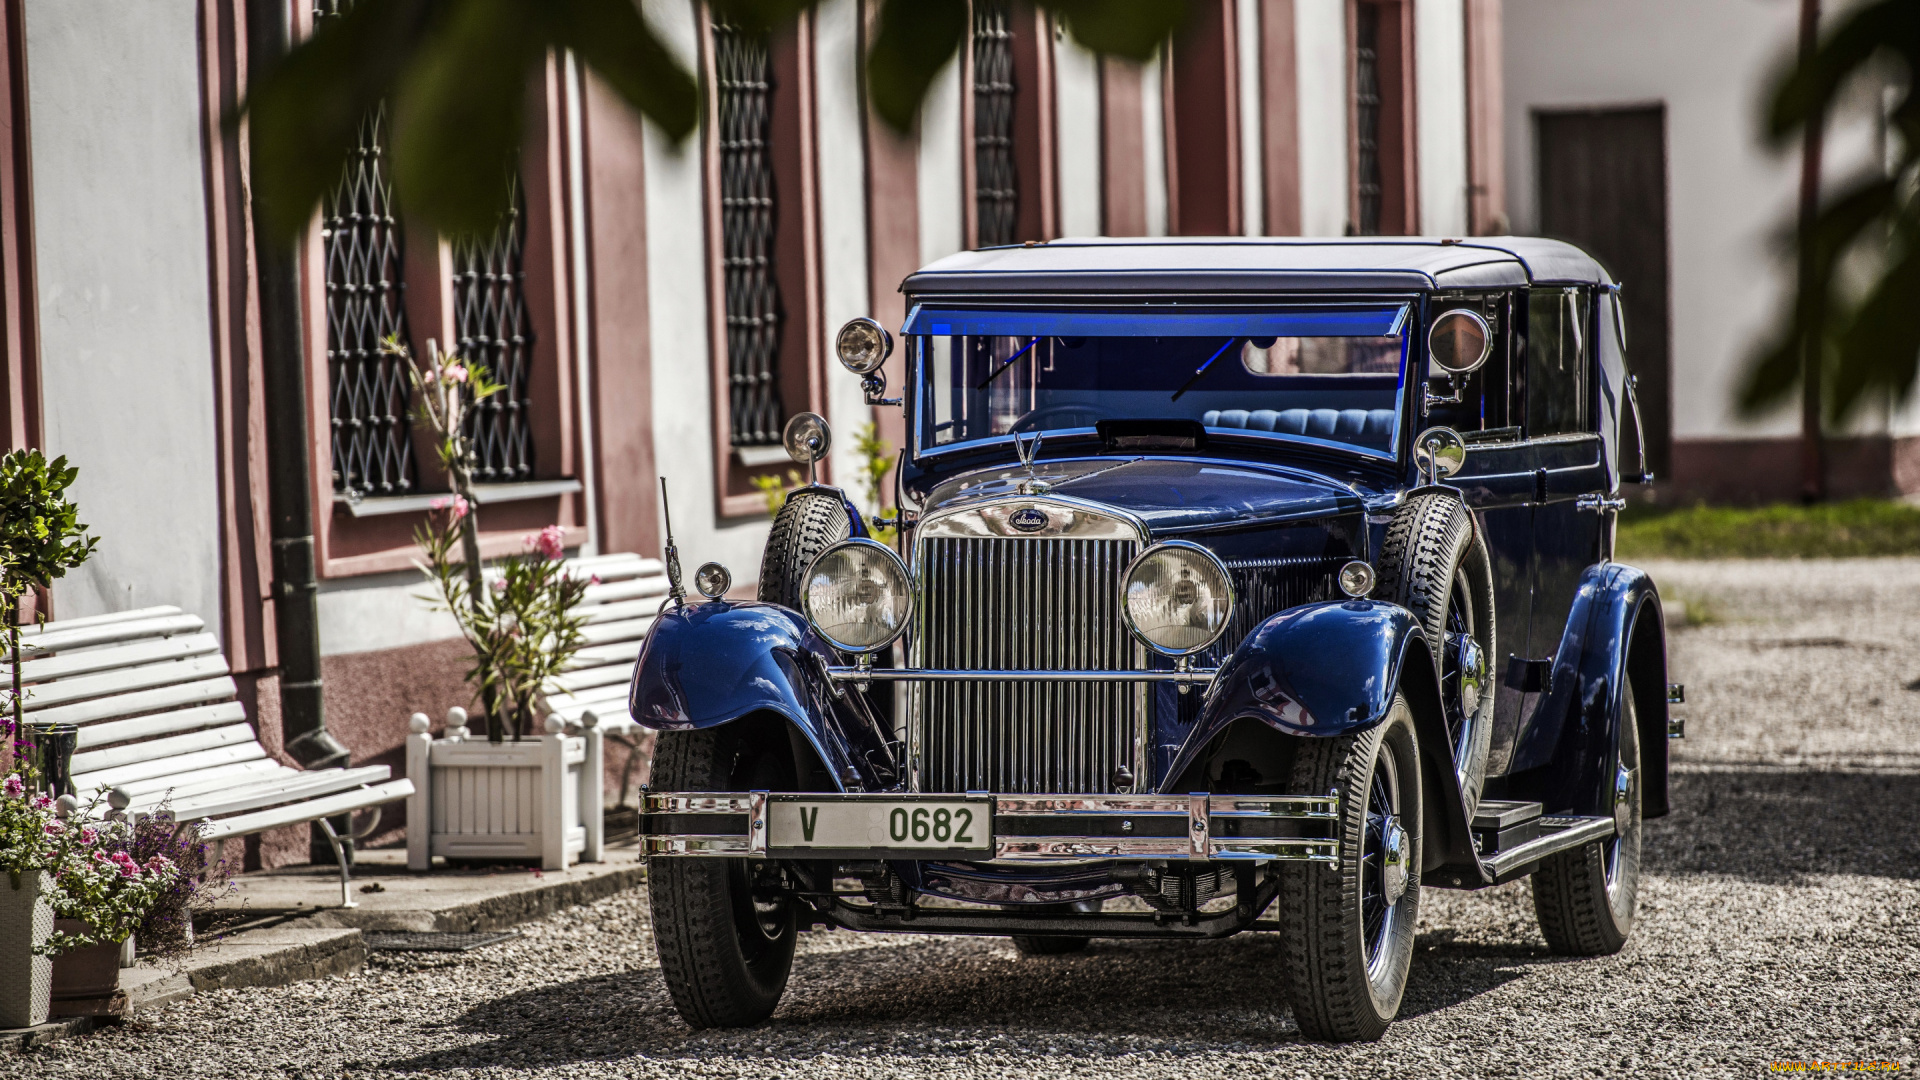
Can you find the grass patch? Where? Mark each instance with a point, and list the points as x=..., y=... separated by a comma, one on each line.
x=1826, y=530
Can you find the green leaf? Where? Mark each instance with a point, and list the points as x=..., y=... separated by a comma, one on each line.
x=1133, y=29
x=916, y=38
x=612, y=38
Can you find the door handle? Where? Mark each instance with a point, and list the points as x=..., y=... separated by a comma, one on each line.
x=1599, y=504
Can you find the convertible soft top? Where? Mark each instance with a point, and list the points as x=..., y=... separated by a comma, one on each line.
x=1259, y=264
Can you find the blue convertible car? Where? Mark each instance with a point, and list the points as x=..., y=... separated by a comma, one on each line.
x=1236, y=585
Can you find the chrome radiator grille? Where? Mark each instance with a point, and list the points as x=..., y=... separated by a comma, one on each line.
x=1026, y=604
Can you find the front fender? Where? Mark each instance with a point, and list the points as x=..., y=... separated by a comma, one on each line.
x=704, y=665
x=1561, y=754
x=1324, y=670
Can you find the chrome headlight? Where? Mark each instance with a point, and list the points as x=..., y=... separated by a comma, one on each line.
x=862, y=346
x=857, y=595
x=1177, y=597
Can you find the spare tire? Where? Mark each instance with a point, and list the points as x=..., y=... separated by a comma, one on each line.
x=1434, y=563
x=809, y=523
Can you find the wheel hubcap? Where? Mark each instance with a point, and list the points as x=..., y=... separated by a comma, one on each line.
x=1393, y=851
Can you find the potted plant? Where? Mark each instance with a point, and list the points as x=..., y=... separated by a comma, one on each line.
x=101, y=894
x=533, y=801
x=27, y=854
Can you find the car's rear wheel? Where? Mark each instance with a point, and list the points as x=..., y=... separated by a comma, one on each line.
x=1434, y=563
x=1349, y=927
x=724, y=929
x=1587, y=898
x=809, y=523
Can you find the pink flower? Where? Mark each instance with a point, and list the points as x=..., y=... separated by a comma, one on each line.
x=551, y=541
x=499, y=584
x=454, y=373
x=15, y=787
x=100, y=856
x=159, y=864
x=88, y=834
x=457, y=502
x=53, y=828
x=43, y=802
x=594, y=580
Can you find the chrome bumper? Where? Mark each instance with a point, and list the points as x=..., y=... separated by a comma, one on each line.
x=1024, y=829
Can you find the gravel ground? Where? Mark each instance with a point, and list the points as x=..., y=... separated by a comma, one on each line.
x=1780, y=921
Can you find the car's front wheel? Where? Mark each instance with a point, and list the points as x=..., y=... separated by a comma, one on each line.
x=724, y=929
x=1349, y=926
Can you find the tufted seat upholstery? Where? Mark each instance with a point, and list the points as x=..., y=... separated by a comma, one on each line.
x=1369, y=427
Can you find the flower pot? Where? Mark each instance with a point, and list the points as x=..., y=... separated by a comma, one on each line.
x=88, y=974
x=538, y=799
x=26, y=979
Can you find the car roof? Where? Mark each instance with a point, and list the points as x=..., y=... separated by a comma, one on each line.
x=1259, y=264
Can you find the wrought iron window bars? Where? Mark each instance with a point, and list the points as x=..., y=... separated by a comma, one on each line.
x=494, y=330
x=996, y=184
x=743, y=75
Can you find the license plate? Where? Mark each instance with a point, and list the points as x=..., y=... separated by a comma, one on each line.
x=863, y=825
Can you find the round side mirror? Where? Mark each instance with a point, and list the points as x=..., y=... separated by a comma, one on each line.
x=807, y=437
x=1440, y=451
x=863, y=345
x=1459, y=342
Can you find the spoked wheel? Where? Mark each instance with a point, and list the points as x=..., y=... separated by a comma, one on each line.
x=725, y=929
x=1434, y=563
x=1586, y=899
x=1349, y=927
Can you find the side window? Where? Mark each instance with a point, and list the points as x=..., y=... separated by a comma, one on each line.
x=1558, y=396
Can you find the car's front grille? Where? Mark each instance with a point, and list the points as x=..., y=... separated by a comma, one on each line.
x=1030, y=605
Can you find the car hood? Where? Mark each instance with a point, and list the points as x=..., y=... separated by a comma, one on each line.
x=1171, y=495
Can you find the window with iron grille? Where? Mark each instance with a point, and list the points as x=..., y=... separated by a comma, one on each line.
x=743, y=75
x=1366, y=117
x=490, y=317
x=366, y=294
x=996, y=193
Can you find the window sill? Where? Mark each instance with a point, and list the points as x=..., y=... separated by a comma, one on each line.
x=754, y=457
x=483, y=494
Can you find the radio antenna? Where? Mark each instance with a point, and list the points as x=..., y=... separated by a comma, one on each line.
x=675, y=592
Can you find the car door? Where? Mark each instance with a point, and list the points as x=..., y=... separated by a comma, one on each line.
x=1563, y=435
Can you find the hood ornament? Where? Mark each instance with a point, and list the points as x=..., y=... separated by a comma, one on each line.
x=1029, y=450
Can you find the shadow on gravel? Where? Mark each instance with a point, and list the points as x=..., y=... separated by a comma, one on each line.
x=1775, y=827
x=950, y=1000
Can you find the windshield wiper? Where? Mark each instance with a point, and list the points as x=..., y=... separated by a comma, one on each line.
x=1201, y=370
x=1011, y=360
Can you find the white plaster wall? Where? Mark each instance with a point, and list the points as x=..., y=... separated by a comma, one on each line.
x=1709, y=62
x=1076, y=107
x=941, y=185
x=1320, y=45
x=125, y=337
x=1440, y=114
x=379, y=612
x=1153, y=125
x=681, y=364
x=843, y=219
x=1253, y=206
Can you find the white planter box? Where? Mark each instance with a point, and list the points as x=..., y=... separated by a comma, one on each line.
x=26, y=980
x=534, y=799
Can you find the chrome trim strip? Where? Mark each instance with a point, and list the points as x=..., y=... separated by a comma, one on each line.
x=1068, y=518
x=716, y=846
x=757, y=823
x=1199, y=827
x=697, y=803
x=1195, y=676
x=1586, y=830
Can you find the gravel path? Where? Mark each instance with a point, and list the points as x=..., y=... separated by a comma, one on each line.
x=1780, y=921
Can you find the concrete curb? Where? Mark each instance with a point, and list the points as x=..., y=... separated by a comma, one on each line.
x=496, y=912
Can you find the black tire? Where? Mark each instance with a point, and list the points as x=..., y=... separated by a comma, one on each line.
x=724, y=934
x=1434, y=563
x=1349, y=947
x=1587, y=898
x=808, y=524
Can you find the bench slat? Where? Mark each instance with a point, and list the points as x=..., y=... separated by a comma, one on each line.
x=152, y=749
x=204, y=692
x=616, y=652
x=81, y=637
x=329, y=806
x=608, y=592
x=573, y=682
x=173, y=766
x=167, y=723
x=603, y=633
x=646, y=607
x=201, y=781
x=58, y=625
x=66, y=665
x=272, y=792
x=592, y=695
x=124, y=680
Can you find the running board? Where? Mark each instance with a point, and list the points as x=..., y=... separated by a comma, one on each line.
x=1557, y=834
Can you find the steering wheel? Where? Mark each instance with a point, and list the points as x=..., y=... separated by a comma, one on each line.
x=1037, y=419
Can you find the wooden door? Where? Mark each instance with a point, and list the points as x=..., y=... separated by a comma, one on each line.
x=1603, y=186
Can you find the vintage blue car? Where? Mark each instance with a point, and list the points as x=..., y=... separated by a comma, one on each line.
x=1236, y=585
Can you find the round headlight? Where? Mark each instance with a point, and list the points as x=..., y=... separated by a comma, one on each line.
x=712, y=580
x=1356, y=579
x=858, y=596
x=862, y=345
x=1177, y=597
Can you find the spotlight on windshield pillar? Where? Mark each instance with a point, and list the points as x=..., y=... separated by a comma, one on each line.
x=863, y=345
x=1356, y=579
x=712, y=580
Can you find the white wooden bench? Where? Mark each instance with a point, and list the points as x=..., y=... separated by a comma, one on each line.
x=619, y=612
x=159, y=728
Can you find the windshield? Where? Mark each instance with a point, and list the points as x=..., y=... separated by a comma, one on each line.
x=1329, y=375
